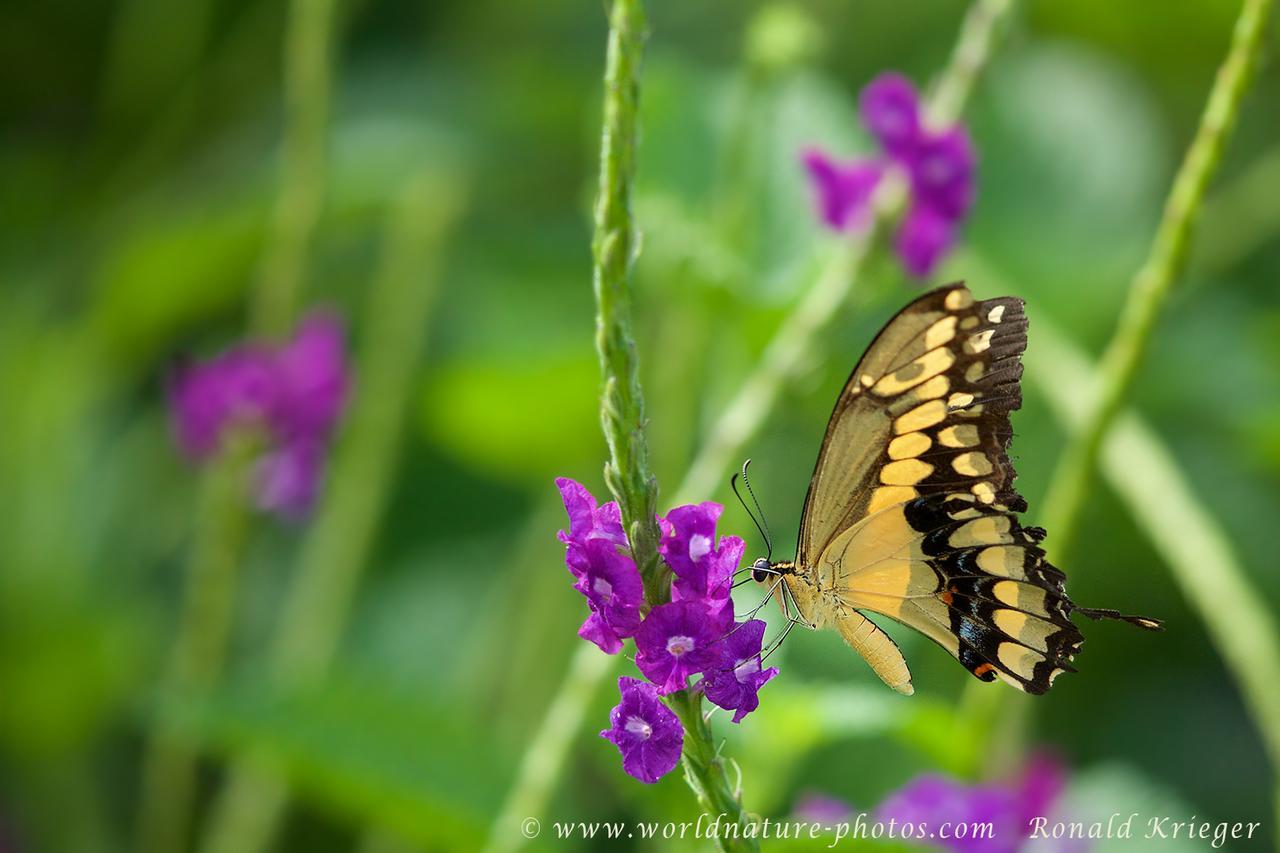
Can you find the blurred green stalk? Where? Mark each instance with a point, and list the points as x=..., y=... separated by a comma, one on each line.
x=302, y=167
x=1151, y=285
x=248, y=810
x=791, y=348
x=199, y=649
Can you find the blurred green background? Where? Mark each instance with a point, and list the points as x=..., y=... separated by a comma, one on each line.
x=139, y=160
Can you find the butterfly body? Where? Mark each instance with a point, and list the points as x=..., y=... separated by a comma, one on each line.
x=912, y=513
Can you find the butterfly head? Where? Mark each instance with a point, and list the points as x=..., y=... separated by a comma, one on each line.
x=763, y=571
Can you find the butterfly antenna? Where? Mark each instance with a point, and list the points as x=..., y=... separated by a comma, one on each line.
x=758, y=516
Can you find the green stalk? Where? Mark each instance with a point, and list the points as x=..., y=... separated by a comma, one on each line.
x=614, y=248
x=302, y=169
x=1153, y=281
x=794, y=344
x=622, y=400
x=199, y=649
x=336, y=549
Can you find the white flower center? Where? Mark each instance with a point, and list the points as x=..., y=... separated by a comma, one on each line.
x=679, y=645
x=603, y=588
x=746, y=668
x=637, y=726
x=699, y=547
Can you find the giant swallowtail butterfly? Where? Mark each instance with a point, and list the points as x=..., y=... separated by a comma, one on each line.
x=912, y=512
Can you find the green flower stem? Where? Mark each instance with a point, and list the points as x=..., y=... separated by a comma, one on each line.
x=793, y=344
x=249, y=808
x=706, y=774
x=614, y=247
x=1153, y=281
x=199, y=649
x=302, y=176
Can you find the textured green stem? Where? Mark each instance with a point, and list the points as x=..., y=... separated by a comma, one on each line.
x=302, y=169
x=789, y=350
x=1153, y=281
x=336, y=549
x=706, y=774
x=199, y=649
x=614, y=247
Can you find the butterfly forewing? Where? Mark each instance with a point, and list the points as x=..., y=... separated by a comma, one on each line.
x=912, y=511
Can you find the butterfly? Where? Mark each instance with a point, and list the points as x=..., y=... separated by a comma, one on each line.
x=911, y=512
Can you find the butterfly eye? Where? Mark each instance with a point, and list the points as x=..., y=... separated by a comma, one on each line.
x=761, y=570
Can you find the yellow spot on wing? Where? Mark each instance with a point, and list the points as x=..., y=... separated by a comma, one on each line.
x=1003, y=561
x=995, y=314
x=910, y=375
x=940, y=332
x=979, y=342
x=1018, y=660
x=985, y=493
x=924, y=415
x=961, y=435
x=959, y=400
x=974, y=371
x=909, y=445
x=980, y=531
x=906, y=472
x=888, y=496
x=958, y=299
x=1010, y=621
x=973, y=464
x=968, y=323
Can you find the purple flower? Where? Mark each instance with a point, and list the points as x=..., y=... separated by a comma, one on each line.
x=816, y=807
x=938, y=165
x=734, y=682
x=942, y=168
x=677, y=640
x=606, y=574
x=1009, y=808
x=922, y=239
x=843, y=191
x=291, y=395
x=587, y=522
x=890, y=108
x=646, y=732
x=703, y=568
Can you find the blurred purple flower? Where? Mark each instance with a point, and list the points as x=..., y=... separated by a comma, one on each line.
x=293, y=395
x=843, y=190
x=938, y=164
x=922, y=239
x=932, y=799
x=605, y=573
x=816, y=807
x=677, y=640
x=890, y=109
x=646, y=732
x=734, y=681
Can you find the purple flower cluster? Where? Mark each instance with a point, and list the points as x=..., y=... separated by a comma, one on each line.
x=937, y=164
x=292, y=395
x=931, y=800
x=693, y=634
x=1009, y=807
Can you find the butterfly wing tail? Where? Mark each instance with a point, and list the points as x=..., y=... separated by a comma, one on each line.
x=1098, y=614
x=877, y=649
